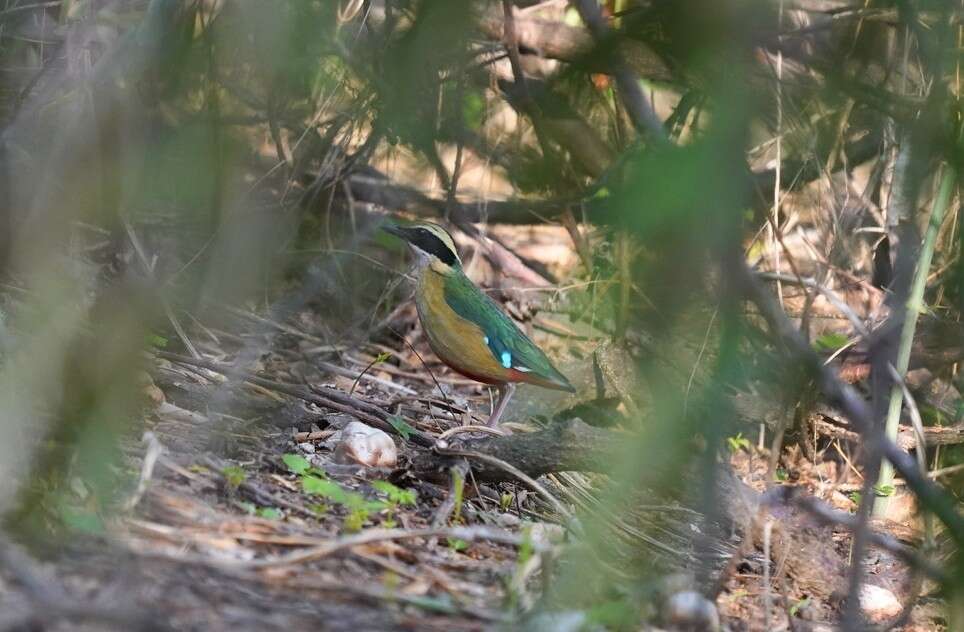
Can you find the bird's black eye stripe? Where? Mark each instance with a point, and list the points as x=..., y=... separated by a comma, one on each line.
x=430, y=243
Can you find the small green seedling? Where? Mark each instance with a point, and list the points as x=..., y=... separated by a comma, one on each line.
x=296, y=463
x=401, y=426
x=854, y=497
x=156, y=341
x=315, y=482
x=457, y=544
x=505, y=501
x=739, y=442
x=234, y=476
x=359, y=508
x=381, y=357
x=795, y=608
x=270, y=513
x=396, y=498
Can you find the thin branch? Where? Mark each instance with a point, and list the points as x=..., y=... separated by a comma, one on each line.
x=642, y=114
x=441, y=447
x=334, y=546
x=848, y=400
x=826, y=515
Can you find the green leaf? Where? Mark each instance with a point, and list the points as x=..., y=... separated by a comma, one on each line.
x=830, y=341
x=296, y=463
x=782, y=474
x=82, y=520
x=355, y=520
x=271, y=513
x=157, y=341
x=473, y=110
x=526, y=548
x=401, y=426
x=602, y=193
x=395, y=494
x=357, y=502
x=800, y=604
x=234, y=476
x=737, y=443
x=323, y=487
x=384, y=355
x=457, y=545
x=884, y=490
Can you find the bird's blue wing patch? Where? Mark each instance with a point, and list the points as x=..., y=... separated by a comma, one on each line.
x=510, y=347
x=499, y=333
x=506, y=358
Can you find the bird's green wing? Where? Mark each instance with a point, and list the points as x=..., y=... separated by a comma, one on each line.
x=508, y=344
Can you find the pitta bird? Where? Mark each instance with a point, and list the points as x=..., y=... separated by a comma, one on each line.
x=466, y=329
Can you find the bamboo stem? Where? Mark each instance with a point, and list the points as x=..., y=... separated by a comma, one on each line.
x=915, y=303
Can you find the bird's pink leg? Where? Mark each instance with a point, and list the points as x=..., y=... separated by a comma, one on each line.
x=505, y=393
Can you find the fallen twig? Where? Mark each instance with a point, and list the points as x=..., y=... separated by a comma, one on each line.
x=442, y=447
x=344, y=543
x=321, y=395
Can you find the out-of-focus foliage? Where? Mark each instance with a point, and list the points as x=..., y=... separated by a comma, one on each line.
x=251, y=144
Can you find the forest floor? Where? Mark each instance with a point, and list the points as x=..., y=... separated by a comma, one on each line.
x=251, y=514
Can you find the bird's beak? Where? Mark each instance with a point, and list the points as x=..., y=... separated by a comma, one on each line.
x=395, y=229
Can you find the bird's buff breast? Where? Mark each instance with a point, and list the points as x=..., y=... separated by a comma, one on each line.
x=459, y=343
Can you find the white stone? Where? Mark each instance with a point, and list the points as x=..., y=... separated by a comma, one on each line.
x=692, y=611
x=879, y=603
x=366, y=446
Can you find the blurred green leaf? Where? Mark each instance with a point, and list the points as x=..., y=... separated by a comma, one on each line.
x=296, y=463
x=82, y=520
x=157, y=341
x=830, y=341
x=614, y=615
x=234, y=476
x=795, y=608
x=401, y=426
x=356, y=519
x=270, y=513
x=739, y=442
x=505, y=501
x=473, y=110
x=395, y=494
x=456, y=544
x=323, y=487
x=884, y=490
